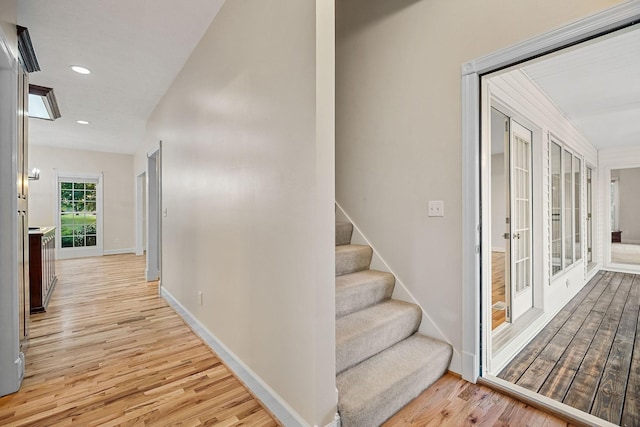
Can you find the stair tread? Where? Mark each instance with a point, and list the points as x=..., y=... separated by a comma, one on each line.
x=352, y=258
x=360, y=278
x=375, y=389
x=364, y=333
x=362, y=289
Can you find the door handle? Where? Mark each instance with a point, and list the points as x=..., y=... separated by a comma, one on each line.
x=506, y=235
x=516, y=236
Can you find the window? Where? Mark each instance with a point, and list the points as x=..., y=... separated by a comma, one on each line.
x=577, y=181
x=566, y=208
x=556, y=209
x=79, y=215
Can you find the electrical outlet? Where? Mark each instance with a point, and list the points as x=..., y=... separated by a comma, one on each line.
x=200, y=297
x=436, y=208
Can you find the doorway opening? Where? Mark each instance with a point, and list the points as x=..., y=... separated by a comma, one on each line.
x=154, y=217
x=625, y=211
x=566, y=242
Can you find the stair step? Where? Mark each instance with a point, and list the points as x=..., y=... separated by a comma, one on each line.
x=362, y=289
x=377, y=388
x=364, y=333
x=352, y=258
x=344, y=230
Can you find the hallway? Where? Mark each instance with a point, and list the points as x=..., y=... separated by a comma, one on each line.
x=110, y=351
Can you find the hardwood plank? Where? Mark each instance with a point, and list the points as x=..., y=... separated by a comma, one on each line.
x=609, y=398
x=519, y=365
x=631, y=410
x=452, y=402
x=585, y=384
x=561, y=377
x=110, y=351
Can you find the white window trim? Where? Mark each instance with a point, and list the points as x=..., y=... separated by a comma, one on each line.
x=97, y=250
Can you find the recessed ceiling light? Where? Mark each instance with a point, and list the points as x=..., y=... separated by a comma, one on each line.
x=80, y=70
x=82, y=122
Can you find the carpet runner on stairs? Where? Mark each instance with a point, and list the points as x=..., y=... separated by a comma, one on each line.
x=382, y=363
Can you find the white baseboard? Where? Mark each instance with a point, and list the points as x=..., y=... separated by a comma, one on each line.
x=401, y=292
x=631, y=241
x=272, y=400
x=336, y=422
x=498, y=250
x=119, y=251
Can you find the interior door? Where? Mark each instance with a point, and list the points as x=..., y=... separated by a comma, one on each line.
x=520, y=182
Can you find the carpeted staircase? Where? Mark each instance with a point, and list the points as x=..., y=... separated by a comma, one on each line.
x=382, y=363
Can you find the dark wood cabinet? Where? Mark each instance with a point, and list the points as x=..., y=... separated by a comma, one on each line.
x=42, y=267
x=616, y=236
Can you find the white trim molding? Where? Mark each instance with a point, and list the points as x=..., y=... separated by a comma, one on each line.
x=119, y=251
x=584, y=29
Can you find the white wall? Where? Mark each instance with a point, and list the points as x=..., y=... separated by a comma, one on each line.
x=8, y=19
x=118, y=194
x=247, y=181
x=398, y=126
x=629, y=197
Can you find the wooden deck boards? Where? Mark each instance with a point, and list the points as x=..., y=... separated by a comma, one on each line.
x=588, y=356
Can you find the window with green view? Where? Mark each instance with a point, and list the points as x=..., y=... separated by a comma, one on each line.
x=78, y=214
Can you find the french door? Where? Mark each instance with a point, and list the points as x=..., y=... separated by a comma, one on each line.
x=520, y=221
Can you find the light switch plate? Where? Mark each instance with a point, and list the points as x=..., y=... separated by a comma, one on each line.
x=436, y=208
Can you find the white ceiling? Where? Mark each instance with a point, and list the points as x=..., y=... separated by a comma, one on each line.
x=597, y=86
x=134, y=48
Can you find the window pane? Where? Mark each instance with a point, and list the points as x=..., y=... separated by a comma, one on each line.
x=556, y=209
x=78, y=216
x=577, y=224
x=567, y=212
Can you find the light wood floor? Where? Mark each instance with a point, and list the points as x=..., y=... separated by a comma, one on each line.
x=588, y=356
x=453, y=402
x=498, y=316
x=109, y=352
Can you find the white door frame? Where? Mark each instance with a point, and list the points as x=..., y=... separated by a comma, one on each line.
x=140, y=210
x=606, y=165
x=584, y=29
x=11, y=359
x=154, y=218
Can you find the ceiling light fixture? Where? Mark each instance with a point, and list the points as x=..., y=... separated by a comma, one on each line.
x=80, y=70
x=82, y=122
